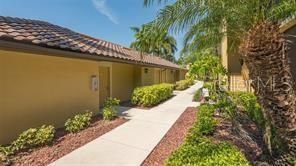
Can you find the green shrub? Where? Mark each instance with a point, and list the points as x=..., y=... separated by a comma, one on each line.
x=152, y=95
x=207, y=66
x=78, y=122
x=184, y=84
x=199, y=150
x=207, y=153
x=110, y=111
x=190, y=81
x=111, y=102
x=7, y=150
x=248, y=101
x=197, y=95
x=32, y=137
x=206, y=123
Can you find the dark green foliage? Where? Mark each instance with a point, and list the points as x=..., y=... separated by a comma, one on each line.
x=110, y=111
x=149, y=39
x=152, y=95
x=78, y=122
x=32, y=137
x=199, y=150
x=197, y=95
x=249, y=103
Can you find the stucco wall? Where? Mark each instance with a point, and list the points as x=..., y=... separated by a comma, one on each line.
x=157, y=76
x=147, y=74
x=170, y=76
x=182, y=75
x=37, y=90
x=123, y=81
x=234, y=64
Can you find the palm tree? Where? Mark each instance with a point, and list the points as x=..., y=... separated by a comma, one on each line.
x=253, y=25
x=154, y=41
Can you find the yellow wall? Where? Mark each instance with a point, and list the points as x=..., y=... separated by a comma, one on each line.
x=123, y=84
x=163, y=75
x=170, y=74
x=147, y=76
x=37, y=90
x=157, y=76
x=138, y=76
x=182, y=74
x=40, y=89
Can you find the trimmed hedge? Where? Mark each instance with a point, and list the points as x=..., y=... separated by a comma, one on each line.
x=184, y=84
x=152, y=95
x=199, y=150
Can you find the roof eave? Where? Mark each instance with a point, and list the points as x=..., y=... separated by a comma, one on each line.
x=35, y=49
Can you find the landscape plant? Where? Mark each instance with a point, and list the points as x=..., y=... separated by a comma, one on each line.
x=200, y=150
x=78, y=122
x=252, y=28
x=152, y=95
x=207, y=67
x=249, y=104
x=184, y=84
x=110, y=111
x=206, y=122
x=32, y=137
x=155, y=42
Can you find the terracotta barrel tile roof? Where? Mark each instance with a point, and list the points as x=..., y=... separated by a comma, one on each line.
x=44, y=34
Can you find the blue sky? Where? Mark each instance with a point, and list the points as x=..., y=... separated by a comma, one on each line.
x=106, y=19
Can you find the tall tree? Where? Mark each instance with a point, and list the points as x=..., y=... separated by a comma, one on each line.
x=254, y=24
x=154, y=41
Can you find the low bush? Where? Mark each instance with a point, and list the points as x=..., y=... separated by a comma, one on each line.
x=197, y=95
x=78, y=122
x=199, y=150
x=206, y=123
x=152, y=95
x=207, y=153
x=248, y=101
x=184, y=84
x=32, y=137
x=110, y=111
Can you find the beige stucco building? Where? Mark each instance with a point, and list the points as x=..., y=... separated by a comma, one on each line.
x=238, y=73
x=49, y=73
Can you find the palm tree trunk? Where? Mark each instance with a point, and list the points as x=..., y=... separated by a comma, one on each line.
x=264, y=51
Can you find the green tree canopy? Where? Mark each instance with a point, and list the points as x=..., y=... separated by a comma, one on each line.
x=154, y=41
x=205, y=22
x=207, y=66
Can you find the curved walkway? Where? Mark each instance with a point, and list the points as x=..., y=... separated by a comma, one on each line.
x=130, y=143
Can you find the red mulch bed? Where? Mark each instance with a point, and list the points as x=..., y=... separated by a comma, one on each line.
x=65, y=143
x=252, y=148
x=173, y=138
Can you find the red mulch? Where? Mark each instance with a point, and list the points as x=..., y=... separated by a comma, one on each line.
x=252, y=148
x=65, y=143
x=173, y=138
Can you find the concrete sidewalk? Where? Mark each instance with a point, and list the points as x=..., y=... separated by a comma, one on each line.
x=130, y=143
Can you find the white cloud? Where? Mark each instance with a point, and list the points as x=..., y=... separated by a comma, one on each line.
x=101, y=7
